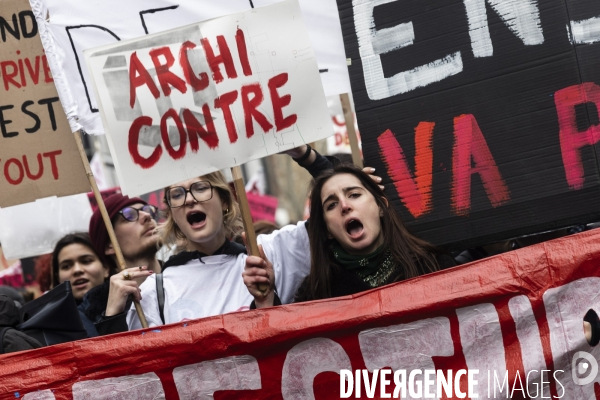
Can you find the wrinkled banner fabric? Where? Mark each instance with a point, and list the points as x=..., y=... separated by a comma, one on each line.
x=519, y=312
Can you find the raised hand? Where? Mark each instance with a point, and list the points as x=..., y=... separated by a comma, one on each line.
x=371, y=171
x=259, y=271
x=122, y=285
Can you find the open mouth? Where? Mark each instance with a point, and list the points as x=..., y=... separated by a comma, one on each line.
x=196, y=218
x=354, y=227
x=80, y=281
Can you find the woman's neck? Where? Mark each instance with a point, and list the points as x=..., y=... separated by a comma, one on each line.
x=208, y=247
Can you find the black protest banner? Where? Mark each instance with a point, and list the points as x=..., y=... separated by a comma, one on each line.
x=481, y=115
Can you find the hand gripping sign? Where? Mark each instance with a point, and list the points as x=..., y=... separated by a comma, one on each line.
x=516, y=319
x=207, y=96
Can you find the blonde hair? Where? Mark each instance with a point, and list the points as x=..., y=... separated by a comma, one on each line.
x=170, y=233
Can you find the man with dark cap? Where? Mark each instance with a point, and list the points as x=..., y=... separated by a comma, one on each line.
x=135, y=229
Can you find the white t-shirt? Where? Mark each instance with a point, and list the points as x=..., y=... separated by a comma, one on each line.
x=213, y=285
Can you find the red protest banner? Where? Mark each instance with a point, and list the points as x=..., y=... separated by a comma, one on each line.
x=510, y=317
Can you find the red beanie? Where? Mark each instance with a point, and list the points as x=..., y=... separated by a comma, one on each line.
x=98, y=231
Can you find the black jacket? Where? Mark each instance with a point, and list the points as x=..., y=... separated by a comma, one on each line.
x=13, y=339
x=91, y=309
x=344, y=283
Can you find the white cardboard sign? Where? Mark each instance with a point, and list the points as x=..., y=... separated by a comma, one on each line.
x=32, y=229
x=208, y=96
x=76, y=25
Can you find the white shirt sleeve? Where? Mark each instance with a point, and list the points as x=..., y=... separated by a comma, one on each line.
x=149, y=305
x=289, y=251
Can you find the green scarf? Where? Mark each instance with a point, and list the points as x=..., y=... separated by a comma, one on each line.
x=374, y=269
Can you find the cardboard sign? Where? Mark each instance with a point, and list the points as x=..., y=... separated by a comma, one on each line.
x=38, y=155
x=75, y=26
x=31, y=229
x=516, y=317
x=340, y=142
x=208, y=96
x=482, y=116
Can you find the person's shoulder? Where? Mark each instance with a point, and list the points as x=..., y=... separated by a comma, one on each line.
x=15, y=340
x=303, y=292
x=175, y=260
x=232, y=248
x=97, y=294
x=445, y=260
x=149, y=285
x=94, y=302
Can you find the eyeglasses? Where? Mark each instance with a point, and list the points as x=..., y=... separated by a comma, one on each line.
x=133, y=214
x=201, y=191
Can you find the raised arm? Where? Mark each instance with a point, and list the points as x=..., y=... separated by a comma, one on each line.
x=310, y=159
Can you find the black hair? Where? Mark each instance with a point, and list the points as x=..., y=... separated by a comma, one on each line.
x=75, y=238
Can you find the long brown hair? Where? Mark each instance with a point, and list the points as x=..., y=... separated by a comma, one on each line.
x=413, y=256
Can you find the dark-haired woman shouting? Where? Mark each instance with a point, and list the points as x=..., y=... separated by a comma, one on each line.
x=357, y=242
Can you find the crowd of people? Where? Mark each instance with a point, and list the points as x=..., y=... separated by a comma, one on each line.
x=353, y=241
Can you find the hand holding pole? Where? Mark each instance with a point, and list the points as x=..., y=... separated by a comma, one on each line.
x=107, y=221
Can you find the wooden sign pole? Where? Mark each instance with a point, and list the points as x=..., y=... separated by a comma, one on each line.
x=352, y=136
x=240, y=190
x=106, y=218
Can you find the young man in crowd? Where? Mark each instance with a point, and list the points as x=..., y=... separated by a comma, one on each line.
x=135, y=229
